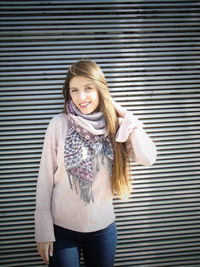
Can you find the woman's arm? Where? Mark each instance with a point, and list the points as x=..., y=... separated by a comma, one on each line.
x=44, y=231
x=140, y=146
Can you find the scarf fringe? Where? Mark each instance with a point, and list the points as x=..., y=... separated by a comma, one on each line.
x=85, y=187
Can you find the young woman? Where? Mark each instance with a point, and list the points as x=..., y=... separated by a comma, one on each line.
x=83, y=166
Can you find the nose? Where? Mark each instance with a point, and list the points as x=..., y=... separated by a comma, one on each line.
x=82, y=96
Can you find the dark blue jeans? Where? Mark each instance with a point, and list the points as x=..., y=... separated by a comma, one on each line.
x=98, y=248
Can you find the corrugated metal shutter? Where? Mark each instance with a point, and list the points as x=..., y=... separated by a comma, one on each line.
x=149, y=51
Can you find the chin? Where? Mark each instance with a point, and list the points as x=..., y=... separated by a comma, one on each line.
x=86, y=112
x=89, y=110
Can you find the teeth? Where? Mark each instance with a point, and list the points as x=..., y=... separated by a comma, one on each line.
x=84, y=105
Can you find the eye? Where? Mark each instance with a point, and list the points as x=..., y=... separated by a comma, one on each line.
x=88, y=88
x=73, y=90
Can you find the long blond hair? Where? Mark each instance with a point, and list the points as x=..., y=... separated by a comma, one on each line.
x=89, y=69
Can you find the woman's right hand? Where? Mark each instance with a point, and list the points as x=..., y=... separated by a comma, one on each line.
x=45, y=250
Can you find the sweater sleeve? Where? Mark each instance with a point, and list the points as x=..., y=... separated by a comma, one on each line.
x=140, y=147
x=44, y=231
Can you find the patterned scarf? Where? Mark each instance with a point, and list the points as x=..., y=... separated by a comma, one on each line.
x=86, y=139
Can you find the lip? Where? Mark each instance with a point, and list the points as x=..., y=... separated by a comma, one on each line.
x=84, y=104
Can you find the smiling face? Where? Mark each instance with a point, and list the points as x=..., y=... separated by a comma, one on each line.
x=84, y=94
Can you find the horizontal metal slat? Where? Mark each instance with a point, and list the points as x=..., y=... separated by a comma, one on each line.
x=112, y=35
x=176, y=12
x=185, y=26
x=44, y=23
x=131, y=41
x=139, y=52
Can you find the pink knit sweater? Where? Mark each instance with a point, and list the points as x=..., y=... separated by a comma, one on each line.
x=57, y=203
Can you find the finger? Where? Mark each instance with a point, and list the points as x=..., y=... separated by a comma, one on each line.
x=40, y=251
x=51, y=249
x=43, y=256
x=46, y=254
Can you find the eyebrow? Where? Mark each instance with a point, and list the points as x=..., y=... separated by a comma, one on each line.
x=84, y=86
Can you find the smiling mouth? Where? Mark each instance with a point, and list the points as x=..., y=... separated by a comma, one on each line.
x=84, y=105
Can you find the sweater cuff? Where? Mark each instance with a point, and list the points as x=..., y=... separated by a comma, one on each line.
x=44, y=230
x=128, y=125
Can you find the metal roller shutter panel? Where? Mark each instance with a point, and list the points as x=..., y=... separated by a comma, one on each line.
x=149, y=52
